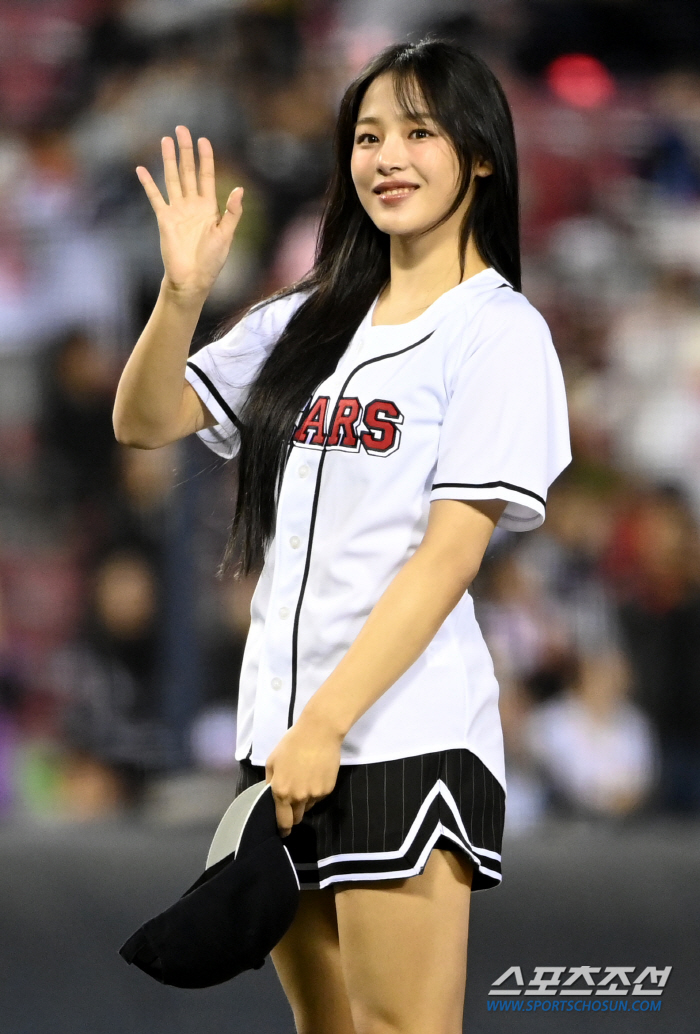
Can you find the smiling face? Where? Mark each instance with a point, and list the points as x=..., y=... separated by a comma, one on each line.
x=404, y=167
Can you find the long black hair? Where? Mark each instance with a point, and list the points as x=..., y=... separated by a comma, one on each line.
x=466, y=100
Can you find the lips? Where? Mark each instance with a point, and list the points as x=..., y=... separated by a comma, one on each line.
x=395, y=189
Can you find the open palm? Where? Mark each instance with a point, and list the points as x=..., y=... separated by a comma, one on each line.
x=194, y=237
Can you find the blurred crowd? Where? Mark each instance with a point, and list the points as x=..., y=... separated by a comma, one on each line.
x=119, y=646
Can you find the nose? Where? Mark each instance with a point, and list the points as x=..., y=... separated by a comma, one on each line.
x=392, y=157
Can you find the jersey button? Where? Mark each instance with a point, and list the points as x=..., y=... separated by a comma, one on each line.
x=304, y=471
x=276, y=683
x=284, y=612
x=295, y=542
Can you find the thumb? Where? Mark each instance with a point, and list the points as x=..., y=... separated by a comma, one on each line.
x=233, y=210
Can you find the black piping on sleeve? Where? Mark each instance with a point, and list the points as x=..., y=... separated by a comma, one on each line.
x=491, y=484
x=217, y=395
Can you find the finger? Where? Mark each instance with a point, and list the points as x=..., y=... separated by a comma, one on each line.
x=188, y=172
x=298, y=812
x=172, y=179
x=207, y=179
x=233, y=210
x=152, y=192
x=285, y=817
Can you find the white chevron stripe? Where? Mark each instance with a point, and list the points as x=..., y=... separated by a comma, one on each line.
x=365, y=856
x=440, y=830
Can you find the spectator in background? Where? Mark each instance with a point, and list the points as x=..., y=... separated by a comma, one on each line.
x=523, y=626
x=594, y=747
x=76, y=423
x=213, y=739
x=653, y=380
x=289, y=93
x=654, y=561
x=57, y=270
x=110, y=677
x=139, y=506
x=573, y=740
x=529, y=643
x=226, y=640
x=672, y=162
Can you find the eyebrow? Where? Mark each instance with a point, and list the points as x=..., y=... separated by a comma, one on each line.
x=415, y=116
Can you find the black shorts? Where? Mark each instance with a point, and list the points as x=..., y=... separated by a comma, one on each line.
x=382, y=820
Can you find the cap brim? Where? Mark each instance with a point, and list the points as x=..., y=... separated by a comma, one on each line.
x=230, y=830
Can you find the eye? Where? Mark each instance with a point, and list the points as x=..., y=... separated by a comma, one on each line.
x=364, y=138
x=425, y=133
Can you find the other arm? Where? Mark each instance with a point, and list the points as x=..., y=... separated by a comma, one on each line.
x=303, y=767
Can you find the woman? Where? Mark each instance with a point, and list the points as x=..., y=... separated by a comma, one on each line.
x=390, y=410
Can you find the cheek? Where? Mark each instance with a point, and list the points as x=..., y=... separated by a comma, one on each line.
x=362, y=169
x=440, y=167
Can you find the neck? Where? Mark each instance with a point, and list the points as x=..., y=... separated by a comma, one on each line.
x=423, y=268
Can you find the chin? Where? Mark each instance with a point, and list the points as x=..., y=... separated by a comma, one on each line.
x=401, y=224
x=402, y=227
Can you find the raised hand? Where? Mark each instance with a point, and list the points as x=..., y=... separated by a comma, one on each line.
x=194, y=237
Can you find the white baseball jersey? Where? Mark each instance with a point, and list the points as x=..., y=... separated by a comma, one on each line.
x=465, y=402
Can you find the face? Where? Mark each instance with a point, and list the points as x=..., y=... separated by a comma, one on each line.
x=405, y=169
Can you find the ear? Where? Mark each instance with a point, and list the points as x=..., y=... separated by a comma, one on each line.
x=483, y=168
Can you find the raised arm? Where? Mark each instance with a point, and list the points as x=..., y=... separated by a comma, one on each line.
x=154, y=404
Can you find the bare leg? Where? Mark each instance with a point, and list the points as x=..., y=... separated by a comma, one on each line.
x=307, y=960
x=403, y=946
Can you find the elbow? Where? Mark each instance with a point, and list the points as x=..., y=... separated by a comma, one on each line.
x=134, y=441
x=135, y=438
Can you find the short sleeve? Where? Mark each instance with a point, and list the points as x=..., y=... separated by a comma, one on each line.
x=505, y=433
x=223, y=372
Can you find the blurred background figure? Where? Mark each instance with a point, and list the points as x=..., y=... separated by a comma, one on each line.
x=655, y=564
x=80, y=452
x=594, y=747
x=119, y=648
x=110, y=681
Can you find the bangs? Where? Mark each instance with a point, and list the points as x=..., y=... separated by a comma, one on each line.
x=411, y=95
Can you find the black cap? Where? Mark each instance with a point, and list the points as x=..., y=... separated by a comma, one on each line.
x=236, y=912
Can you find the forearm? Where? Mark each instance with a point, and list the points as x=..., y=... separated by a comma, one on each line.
x=149, y=399
x=399, y=628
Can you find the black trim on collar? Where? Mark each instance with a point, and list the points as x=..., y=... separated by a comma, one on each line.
x=217, y=395
x=490, y=484
x=312, y=522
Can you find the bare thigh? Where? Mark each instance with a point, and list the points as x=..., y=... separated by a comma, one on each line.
x=403, y=949
x=381, y=958
x=307, y=960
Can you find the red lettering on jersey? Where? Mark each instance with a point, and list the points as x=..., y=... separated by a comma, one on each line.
x=381, y=420
x=315, y=420
x=347, y=413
